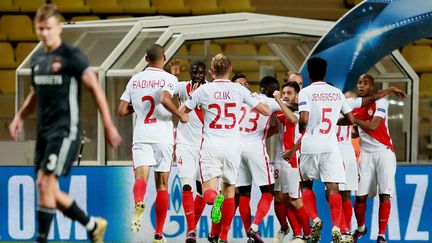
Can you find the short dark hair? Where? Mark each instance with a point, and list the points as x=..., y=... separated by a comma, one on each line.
x=317, y=68
x=267, y=81
x=237, y=76
x=367, y=77
x=198, y=64
x=47, y=11
x=293, y=85
x=154, y=53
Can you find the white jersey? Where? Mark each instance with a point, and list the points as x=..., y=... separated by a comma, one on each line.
x=324, y=104
x=153, y=122
x=190, y=132
x=253, y=125
x=221, y=101
x=344, y=132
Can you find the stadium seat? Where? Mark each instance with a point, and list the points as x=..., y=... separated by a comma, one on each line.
x=7, y=81
x=9, y=109
x=119, y=17
x=104, y=6
x=174, y=7
x=8, y=6
x=419, y=57
x=252, y=76
x=137, y=6
x=29, y=5
x=84, y=18
x=7, y=59
x=425, y=86
x=230, y=6
x=18, y=27
x=242, y=51
x=264, y=50
x=3, y=35
x=72, y=6
x=23, y=49
x=203, y=7
x=197, y=49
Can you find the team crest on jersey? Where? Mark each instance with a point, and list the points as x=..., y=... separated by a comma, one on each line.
x=56, y=65
x=370, y=112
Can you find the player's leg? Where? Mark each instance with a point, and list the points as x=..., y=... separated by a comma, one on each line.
x=199, y=203
x=228, y=210
x=335, y=202
x=279, y=204
x=244, y=205
x=46, y=204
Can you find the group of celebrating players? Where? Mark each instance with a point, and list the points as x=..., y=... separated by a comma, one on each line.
x=220, y=141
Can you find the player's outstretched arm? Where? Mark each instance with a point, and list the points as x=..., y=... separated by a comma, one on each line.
x=124, y=108
x=263, y=109
x=166, y=100
x=28, y=107
x=303, y=121
x=371, y=125
x=382, y=93
x=90, y=81
x=287, y=112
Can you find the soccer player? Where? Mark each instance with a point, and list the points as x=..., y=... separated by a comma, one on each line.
x=219, y=155
x=320, y=105
x=58, y=70
x=149, y=93
x=241, y=79
x=188, y=142
x=294, y=77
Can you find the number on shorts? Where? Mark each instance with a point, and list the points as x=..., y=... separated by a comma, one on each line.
x=147, y=119
x=276, y=174
x=325, y=119
x=227, y=114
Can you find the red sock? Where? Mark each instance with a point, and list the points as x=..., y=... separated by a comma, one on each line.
x=293, y=220
x=309, y=201
x=303, y=219
x=281, y=214
x=209, y=196
x=215, y=229
x=245, y=211
x=161, y=207
x=188, y=207
x=199, y=206
x=335, y=201
x=263, y=207
x=343, y=224
x=139, y=190
x=347, y=208
x=227, y=217
x=384, y=214
x=360, y=213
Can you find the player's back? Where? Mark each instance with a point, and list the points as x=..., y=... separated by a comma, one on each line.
x=324, y=103
x=153, y=121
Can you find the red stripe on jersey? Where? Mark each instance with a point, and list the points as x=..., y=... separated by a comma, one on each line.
x=199, y=112
x=288, y=141
x=265, y=150
x=381, y=133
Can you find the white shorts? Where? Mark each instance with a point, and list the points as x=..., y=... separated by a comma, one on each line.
x=157, y=155
x=220, y=162
x=325, y=166
x=187, y=161
x=350, y=165
x=377, y=173
x=287, y=179
x=256, y=167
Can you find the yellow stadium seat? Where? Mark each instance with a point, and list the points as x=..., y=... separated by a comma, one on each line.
x=198, y=49
x=104, y=6
x=203, y=7
x=137, y=6
x=18, y=27
x=29, y=5
x=72, y=6
x=252, y=76
x=231, y=6
x=8, y=6
x=174, y=7
x=419, y=57
x=23, y=49
x=3, y=35
x=9, y=109
x=119, y=17
x=7, y=81
x=264, y=50
x=85, y=18
x=425, y=87
x=7, y=59
x=239, y=54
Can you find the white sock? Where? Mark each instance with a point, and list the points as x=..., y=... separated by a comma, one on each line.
x=91, y=224
x=361, y=228
x=254, y=227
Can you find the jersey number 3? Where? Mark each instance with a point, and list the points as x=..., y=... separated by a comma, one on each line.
x=147, y=119
x=227, y=114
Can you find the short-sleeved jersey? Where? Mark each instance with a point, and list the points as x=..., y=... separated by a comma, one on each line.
x=254, y=126
x=191, y=131
x=287, y=136
x=378, y=140
x=344, y=132
x=153, y=121
x=221, y=101
x=56, y=79
x=324, y=104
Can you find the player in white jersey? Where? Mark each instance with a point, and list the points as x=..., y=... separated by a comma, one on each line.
x=188, y=142
x=320, y=105
x=219, y=156
x=149, y=94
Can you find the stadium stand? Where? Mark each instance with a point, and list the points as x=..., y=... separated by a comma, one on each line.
x=18, y=27
x=236, y=51
x=23, y=49
x=29, y=6
x=72, y=6
x=203, y=7
x=7, y=81
x=264, y=50
x=137, y=6
x=8, y=6
x=426, y=84
x=230, y=6
x=104, y=6
x=8, y=58
x=84, y=18
x=198, y=49
x=171, y=7
x=419, y=57
x=3, y=35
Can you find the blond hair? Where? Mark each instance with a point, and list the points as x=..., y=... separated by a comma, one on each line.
x=47, y=11
x=220, y=65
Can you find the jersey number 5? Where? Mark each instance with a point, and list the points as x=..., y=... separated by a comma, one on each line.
x=325, y=119
x=147, y=119
x=227, y=114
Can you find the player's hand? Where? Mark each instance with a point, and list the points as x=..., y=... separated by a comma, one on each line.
x=184, y=117
x=15, y=127
x=287, y=154
x=175, y=68
x=113, y=137
x=277, y=94
x=398, y=92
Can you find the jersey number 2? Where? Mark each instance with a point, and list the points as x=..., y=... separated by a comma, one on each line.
x=147, y=119
x=325, y=119
x=227, y=114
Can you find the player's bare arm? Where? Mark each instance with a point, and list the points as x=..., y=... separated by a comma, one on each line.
x=287, y=112
x=382, y=93
x=27, y=108
x=287, y=154
x=90, y=81
x=166, y=100
x=303, y=121
x=124, y=108
x=371, y=125
x=263, y=109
